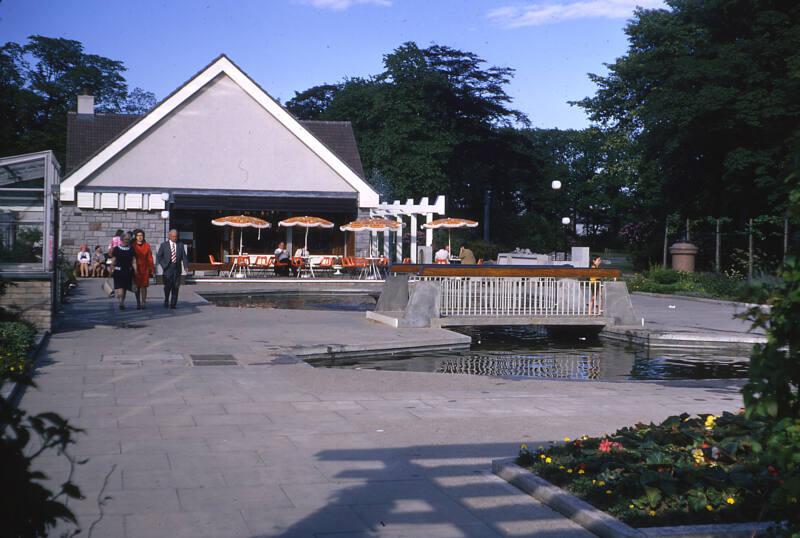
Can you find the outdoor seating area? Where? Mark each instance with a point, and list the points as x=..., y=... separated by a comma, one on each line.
x=260, y=266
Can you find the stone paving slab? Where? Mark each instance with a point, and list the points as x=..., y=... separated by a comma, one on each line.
x=289, y=450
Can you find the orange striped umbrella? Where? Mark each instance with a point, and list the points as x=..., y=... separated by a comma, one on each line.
x=242, y=221
x=450, y=223
x=306, y=222
x=373, y=224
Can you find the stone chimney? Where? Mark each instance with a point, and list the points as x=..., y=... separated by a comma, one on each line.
x=85, y=103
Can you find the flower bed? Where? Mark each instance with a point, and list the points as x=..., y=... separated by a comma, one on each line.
x=16, y=339
x=685, y=470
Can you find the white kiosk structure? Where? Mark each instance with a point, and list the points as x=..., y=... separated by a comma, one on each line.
x=415, y=212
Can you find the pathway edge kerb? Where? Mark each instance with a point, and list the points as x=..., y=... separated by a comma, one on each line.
x=13, y=390
x=564, y=503
x=602, y=524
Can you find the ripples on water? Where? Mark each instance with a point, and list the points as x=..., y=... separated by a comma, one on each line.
x=528, y=352
x=514, y=351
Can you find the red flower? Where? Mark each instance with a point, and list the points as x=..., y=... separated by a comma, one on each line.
x=607, y=446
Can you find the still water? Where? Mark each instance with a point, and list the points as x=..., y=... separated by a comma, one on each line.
x=528, y=352
x=515, y=352
x=348, y=302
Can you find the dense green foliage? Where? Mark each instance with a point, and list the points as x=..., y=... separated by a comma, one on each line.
x=706, y=98
x=773, y=390
x=29, y=509
x=683, y=471
x=659, y=280
x=39, y=82
x=16, y=339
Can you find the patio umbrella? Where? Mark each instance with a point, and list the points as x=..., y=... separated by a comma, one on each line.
x=307, y=223
x=242, y=221
x=373, y=224
x=450, y=223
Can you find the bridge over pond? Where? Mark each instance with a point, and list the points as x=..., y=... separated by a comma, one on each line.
x=449, y=295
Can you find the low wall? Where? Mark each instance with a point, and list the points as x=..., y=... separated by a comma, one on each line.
x=30, y=297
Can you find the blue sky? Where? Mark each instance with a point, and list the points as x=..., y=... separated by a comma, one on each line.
x=288, y=45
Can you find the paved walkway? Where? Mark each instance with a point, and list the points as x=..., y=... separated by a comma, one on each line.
x=277, y=448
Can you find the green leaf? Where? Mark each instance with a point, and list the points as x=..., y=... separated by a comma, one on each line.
x=653, y=496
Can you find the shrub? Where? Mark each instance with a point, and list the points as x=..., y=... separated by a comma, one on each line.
x=773, y=390
x=16, y=339
x=29, y=509
x=659, y=280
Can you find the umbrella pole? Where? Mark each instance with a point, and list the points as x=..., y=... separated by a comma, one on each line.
x=450, y=248
x=305, y=247
x=241, y=236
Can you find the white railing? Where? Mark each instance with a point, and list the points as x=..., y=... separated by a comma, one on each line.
x=518, y=296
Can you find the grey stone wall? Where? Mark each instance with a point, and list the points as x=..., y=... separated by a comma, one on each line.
x=362, y=238
x=97, y=227
x=31, y=300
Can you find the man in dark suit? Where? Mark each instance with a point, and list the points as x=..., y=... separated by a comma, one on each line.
x=172, y=259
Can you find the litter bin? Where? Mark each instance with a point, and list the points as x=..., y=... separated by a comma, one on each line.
x=683, y=255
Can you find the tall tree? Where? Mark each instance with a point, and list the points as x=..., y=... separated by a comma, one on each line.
x=707, y=92
x=39, y=82
x=434, y=121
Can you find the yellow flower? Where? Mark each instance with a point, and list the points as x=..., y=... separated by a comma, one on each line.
x=581, y=471
x=566, y=439
x=730, y=500
x=584, y=437
x=698, y=455
x=630, y=506
x=652, y=512
x=608, y=492
x=569, y=471
x=601, y=483
x=560, y=466
x=548, y=460
x=710, y=422
x=709, y=508
x=542, y=456
x=594, y=481
x=523, y=446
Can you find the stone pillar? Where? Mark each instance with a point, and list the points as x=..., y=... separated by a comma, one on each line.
x=683, y=255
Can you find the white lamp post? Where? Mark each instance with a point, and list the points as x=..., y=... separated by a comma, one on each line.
x=565, y=220
x=555, y=185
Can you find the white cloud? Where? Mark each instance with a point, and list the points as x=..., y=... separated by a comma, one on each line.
x=341, y=5
x=551, y=12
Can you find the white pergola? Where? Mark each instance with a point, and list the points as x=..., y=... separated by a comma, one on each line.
x=414, y=211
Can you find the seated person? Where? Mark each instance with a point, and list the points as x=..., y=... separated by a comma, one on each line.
x=466, y=256
x=282, y=265
x=84, y=260
x=442, y=255
x=301, y=253
x=98, y=262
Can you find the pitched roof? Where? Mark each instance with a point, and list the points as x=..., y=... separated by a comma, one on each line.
x=349, y=171
x=87, y=133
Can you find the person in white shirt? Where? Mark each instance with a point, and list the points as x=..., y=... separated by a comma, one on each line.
x=301, y=253
x=84, y=259
x=442, y=255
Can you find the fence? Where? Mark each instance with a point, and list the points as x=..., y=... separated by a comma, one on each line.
x=518, y=296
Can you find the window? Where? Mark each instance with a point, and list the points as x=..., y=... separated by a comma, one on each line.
x=26, y=211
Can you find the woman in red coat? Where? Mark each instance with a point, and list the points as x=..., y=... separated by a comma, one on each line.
x=145, y=267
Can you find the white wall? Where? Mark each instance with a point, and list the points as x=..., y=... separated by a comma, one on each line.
x=220, y=139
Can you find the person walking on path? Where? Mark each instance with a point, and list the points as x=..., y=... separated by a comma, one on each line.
x=123, y=268
x=172, y=259
x=145, y=267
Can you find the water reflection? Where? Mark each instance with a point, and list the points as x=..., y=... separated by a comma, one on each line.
x=528, y=353
x=348, y=302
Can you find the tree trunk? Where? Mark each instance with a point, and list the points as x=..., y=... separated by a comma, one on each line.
x=718, y=241
x=750, y=251
x=487, y=209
